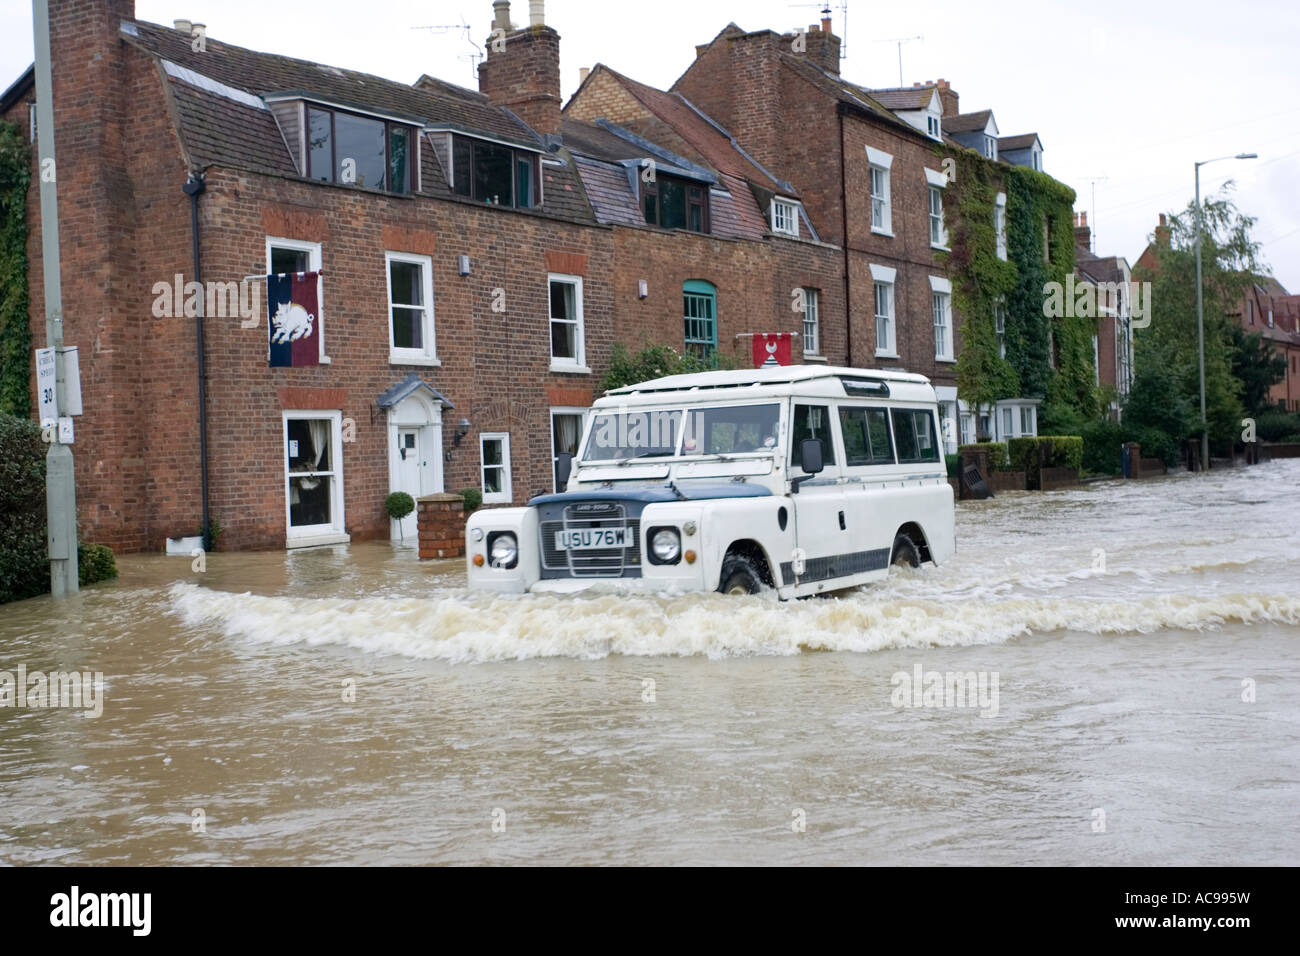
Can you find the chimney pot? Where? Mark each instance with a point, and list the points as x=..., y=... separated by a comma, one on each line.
x=583, y=73
x=184, y=26
x=501, y=15
x=826, y=24
x=536, y=13
x=814, y=28
x=1162, y=219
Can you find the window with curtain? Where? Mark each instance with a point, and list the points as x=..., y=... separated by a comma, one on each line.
x=566, y=430
x=312, y=473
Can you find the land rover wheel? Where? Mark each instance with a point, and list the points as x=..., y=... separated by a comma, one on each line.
x=905, y=552
x=739, y=576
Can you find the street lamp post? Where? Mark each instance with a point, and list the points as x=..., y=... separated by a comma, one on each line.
x=1200, y=309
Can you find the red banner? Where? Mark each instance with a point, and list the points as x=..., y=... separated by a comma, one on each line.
x=771, y=350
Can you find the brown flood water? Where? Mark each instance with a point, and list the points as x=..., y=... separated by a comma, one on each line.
x=1144, y=639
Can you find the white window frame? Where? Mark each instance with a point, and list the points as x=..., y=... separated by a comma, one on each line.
x=334, y=532
x=428, y=354
x=787, y=210
x=1000, y=225
x=812, y=315
x=934, y=125
x=880, y=162
x=506, y=495
x=885, y=276
x=1000, y=325
x=936, y=182
x=565, y=410
x=578, y=363
x=990, y=147
x=313, y=250
x=941, y=287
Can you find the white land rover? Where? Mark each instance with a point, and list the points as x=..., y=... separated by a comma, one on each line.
x=800, y=478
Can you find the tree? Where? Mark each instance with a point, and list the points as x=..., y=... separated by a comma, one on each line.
x=1257, y=367
x=1230, y=257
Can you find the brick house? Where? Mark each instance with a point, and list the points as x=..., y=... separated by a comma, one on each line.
x=1112, y=342
x=474, y=275
x=868, y=164
x=479, y=253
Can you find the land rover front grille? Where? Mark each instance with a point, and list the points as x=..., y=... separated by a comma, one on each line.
x=596, y=562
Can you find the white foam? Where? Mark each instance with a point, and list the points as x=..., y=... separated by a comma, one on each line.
x=459, y=626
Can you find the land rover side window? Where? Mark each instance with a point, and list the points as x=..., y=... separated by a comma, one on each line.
x=811, y=421
x=651, y=433
x=914, y=435
x=866, y=436
x=732, y=429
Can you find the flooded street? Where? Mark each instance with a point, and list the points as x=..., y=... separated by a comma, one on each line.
x=1143, y=641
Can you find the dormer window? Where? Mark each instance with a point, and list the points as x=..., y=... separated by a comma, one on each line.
x=356, y=150
x=1036, y=159
x=933, y=126
x=785, y=217
x=990, y=147
x=494, y=173
x=675, y=203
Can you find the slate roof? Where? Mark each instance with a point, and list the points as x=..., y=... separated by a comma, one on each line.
x=412, y=383
x=967, y=122
x=904, y=97
x=1021, y=141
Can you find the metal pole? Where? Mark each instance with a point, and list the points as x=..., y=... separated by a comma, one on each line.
x=1200, y=328
x=60, y=481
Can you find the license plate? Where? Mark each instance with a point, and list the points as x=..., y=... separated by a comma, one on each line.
x=588, y=539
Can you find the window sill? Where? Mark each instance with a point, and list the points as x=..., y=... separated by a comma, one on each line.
x=497, y=500
x=403, y=358
x=316, y=540
x=939, y=248
x=945, y=360
x=814, y=358
x=325, y=360
x=882, y=232
x=888, y=355
x=570, y=369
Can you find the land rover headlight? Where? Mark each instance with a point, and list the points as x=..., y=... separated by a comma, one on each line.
x=666, y=546
x=504, y=550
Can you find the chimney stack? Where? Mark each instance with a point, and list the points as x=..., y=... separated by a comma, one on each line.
x=948, y=97
x=1082, y=234
x=525, y=76
x=1162, y=232
x=821, y=46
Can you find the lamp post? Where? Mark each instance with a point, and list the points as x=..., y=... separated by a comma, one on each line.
x=1200, y=310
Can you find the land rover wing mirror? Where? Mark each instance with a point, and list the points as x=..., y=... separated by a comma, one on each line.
x=563, y=466
x=810, y=455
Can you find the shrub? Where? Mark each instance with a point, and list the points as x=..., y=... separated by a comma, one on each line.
x=656, y=361
x=1060, y=451
x=95, y=563
x=1277, y=425
x=472, y=497
x=951, y=462
x=997, y=452
x=1102, y=454
x=24, y=567
x=398, y=505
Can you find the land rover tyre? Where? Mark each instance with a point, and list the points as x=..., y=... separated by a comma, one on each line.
x=740, y=576
x=905, y=553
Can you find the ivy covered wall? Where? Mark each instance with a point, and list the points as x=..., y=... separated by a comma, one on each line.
x=15, y=330
x=1035, y=202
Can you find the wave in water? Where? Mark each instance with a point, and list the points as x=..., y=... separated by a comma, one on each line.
x=458, y=626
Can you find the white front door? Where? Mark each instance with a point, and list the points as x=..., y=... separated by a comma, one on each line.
x=410, y=467
x=414, y=456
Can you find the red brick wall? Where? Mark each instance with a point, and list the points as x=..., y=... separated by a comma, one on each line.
x=525, y=77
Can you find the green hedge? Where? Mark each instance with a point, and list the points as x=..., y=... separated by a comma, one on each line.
x=473, y=498
x=996, y=450
x=24, y=566
x=1063, y=451
x=1278, y=425
x=24, y=569
x=95, y=563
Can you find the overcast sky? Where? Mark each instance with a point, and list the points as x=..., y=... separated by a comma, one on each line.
x=1129, y=90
